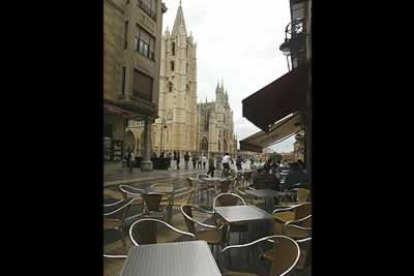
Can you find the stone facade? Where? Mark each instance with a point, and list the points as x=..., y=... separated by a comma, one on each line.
x=181, y=124
x=132, y=50
x=216, y=124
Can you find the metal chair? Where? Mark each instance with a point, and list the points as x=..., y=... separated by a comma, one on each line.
x=115, y=215
x=115, y=257
x=230, y=199
x=212, y=234
x=285, y=252
x=298, y=229
x=199, y=185
x=183, y=197
x=147, y=235
x=284, y=214
x=304, y=261
x=136, y=193
x=246, y=178
x=241, y=191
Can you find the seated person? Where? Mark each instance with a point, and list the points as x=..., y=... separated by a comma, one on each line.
x=295, y=176
x=264, y=180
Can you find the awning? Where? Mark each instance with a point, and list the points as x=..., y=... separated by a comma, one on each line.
x=278, y=99
x=279, y=132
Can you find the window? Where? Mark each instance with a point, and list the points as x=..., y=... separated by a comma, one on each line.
x=126, y=35
x=169, y=115
x=172, y=66
x=142, y=86
x=173, y=48
x=123, y=80
x=170, y=87
x=145, y=43
x=149, y=7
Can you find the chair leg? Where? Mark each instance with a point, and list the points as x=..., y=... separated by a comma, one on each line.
x=121, y=233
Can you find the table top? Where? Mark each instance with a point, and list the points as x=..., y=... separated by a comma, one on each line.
x=265, y=193
x=214, y=179
x=161, y=189
x=242, y=213
x=192, y=258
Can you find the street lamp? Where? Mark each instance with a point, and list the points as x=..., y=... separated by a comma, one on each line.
x=294, y=43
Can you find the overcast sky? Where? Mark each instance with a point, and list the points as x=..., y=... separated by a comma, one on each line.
x=237, y=41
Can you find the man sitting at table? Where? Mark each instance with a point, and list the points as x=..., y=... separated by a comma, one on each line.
x=264, y=180
x=295, y=176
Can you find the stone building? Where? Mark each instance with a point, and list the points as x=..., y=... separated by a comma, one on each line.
x=216, y=124
x=132, y=48
x=183, y=124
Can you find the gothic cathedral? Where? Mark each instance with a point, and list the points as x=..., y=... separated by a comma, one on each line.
x=184, y=124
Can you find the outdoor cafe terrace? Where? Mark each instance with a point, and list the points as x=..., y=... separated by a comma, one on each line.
x=199, y=225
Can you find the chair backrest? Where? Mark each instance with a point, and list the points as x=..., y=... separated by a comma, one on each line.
x=144, y=231
x=303, y=210
x=247, y=176
x=225, y=185
x=285, y=256
x=110, y=256
x=153, y=201
x=116, y=208
x=187, y=192
x=306, y=253
x=302, y=195
x=203, y=176
x=241, y=191
x=286, y=253
x=300, y=228
x=161, y=184
x=190, y=182
x=187, y=211
x=131, y=191
x=228, y=199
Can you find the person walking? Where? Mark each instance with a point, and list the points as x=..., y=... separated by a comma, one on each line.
x=131, y=160
x=127, y=157
x=239, y=163
x=211, y=167
x=186, y=160
x=194, y=158
x=178, y=160
x=199, y=162
x=226, y=164
x=204, y=162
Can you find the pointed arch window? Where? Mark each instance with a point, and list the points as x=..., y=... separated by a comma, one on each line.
x=173, y=48
x=170, y=87
x=172, y=65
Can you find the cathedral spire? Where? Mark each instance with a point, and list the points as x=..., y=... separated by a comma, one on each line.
x=179, y=24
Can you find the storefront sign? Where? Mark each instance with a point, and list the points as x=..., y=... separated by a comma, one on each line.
x=117, y=111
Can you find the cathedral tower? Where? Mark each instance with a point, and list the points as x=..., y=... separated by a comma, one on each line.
x=178, y=90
